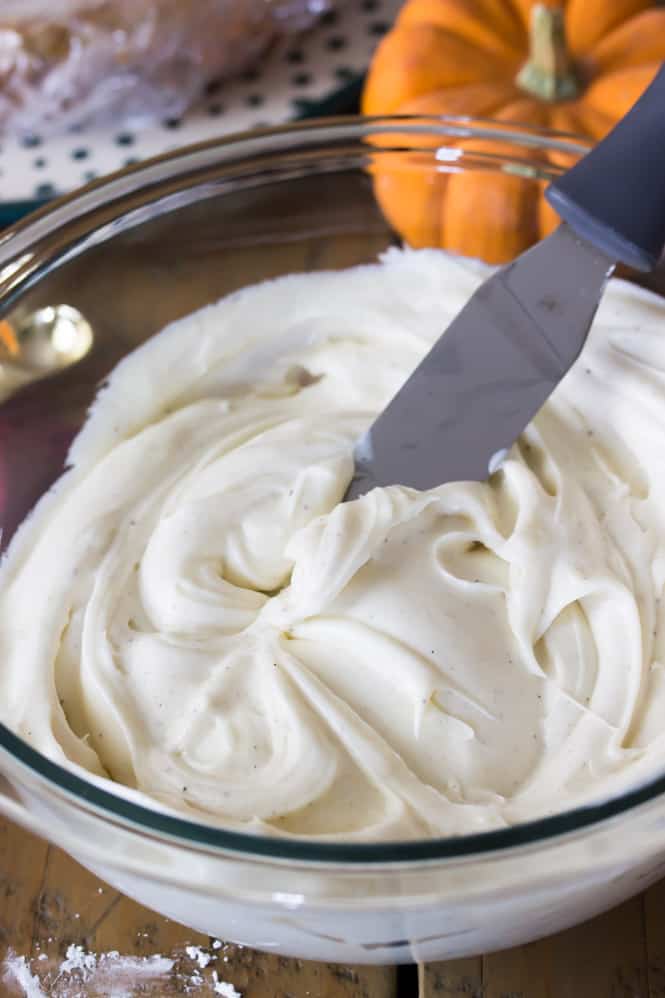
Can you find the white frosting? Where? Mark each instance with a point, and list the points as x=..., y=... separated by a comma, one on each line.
x=192, y=613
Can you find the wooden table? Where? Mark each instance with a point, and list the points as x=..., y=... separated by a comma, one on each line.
x=47, y=902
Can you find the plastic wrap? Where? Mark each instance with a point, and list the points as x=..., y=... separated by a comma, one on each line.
x=72, y=62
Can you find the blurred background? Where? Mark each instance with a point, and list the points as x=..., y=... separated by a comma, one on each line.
x=88, y=87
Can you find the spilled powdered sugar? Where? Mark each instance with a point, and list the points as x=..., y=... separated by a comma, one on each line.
x=78, y=959
x=198, y=955
x=16, y=970
x=109, y=973
x=112, y=974
x=224, y=988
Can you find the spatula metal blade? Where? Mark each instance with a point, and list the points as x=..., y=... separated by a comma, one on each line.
x=491, y=371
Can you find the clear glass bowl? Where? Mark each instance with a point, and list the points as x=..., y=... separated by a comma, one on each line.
x=131, y=253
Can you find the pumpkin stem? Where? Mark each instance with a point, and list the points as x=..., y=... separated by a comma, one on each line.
x=548, y=73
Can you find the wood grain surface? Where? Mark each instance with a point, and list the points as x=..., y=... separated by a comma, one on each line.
x=48, y=902
x=620, y=954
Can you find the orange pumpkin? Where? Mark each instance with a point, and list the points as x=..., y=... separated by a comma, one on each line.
x=576, y=66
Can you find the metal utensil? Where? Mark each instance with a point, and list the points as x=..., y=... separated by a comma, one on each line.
x=37, y=344
x=521, y=331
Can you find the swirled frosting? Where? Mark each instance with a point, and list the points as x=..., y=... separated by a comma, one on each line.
x=192, y=613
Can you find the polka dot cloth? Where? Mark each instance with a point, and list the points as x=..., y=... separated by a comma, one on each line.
x=297, y=75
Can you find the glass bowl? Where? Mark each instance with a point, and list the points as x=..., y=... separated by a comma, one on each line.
x=131, y=253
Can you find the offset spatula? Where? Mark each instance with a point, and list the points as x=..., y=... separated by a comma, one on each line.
x=519, y=334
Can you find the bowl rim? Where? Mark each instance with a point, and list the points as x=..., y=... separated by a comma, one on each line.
x=17, y=273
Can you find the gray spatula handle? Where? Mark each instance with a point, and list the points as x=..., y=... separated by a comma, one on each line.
x=615, y=196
